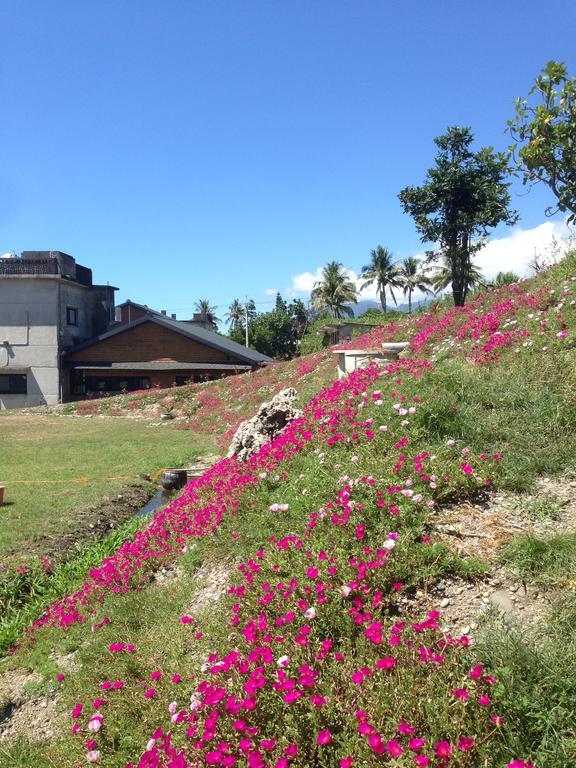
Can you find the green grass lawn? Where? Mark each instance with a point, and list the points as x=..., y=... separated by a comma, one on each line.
x=55, y=467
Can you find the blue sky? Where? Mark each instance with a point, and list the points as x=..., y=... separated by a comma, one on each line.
x=187, y=149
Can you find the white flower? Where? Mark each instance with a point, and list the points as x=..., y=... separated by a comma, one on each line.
x=95, y=723
x=310, y=613
x=283, y=507
x=273, y=508
x=383, y=428
x=345, y=590
x=354, y=458
x=389, y=544
x=283, y=661
x=150, y=745
x=172, y=707
x=93, y=756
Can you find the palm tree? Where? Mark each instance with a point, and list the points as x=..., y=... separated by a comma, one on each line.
x=413, y=278
x=235, y=314
x=335, y=291
x=208, y=312
x=442, y=278
x=381, y=271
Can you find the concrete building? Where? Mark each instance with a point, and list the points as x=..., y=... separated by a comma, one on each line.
x=48, y=304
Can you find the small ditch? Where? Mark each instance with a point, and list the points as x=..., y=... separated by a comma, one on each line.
x=156, y=502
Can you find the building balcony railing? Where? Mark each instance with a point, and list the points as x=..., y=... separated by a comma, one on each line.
x=29, y=267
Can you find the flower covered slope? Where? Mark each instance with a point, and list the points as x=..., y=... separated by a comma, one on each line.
x=308, y=660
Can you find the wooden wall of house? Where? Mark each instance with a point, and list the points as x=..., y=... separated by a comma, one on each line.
x=160, y=379
x=149, y=342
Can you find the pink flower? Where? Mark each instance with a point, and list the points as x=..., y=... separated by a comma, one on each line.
x=416, y=744
x=186, y=619
x=393, y=748
x=95, y=723
x=477, y=672
x=405, y=730
x=93, y=756
x=324, y=737
x=388, y=662
x=346, y=762
x=149, y=693
x=461, y=694
x=421, y=761
x=376, y=743
x=443, y=749
x=465, y=744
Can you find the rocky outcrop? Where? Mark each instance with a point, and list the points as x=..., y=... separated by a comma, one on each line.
x=269, y=421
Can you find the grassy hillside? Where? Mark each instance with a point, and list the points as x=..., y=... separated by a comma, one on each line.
x=281, y=612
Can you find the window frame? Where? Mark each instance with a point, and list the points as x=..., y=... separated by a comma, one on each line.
x=13, y=388
x=72, y=312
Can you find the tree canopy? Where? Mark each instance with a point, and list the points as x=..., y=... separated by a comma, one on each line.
x=208, y=312
x=412, y=277
x=464, y=196
x=276, y=333
x=335, y=291
x=382, y=271
x=544, y=133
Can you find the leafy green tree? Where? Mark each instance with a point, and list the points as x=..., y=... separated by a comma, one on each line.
x=382, y=271
x=505, y=278
x=544, y=133
x=207, y=311
x=276, y=333
x=273, y=334
x=463, y=196
x=412, y=277
x=280, y=305
x=300, y=317
x=334, y=291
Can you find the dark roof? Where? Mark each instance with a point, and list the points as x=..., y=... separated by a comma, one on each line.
x=92, y=366
x=190, y=331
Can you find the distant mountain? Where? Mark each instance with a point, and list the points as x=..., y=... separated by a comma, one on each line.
x=366, y=304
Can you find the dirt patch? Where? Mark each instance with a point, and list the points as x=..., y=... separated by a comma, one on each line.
x=22, y=716
x=96, y=522
x=211, y=583
x=479, y=528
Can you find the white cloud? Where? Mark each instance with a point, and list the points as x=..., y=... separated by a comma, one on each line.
x=504, y=254
x=270, y=291
x=513, y=253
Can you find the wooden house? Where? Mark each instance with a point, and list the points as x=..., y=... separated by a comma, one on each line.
x=152, y=351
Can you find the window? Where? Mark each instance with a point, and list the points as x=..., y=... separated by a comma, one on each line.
x=116, y=383
x=71, y=316
x=13, y=384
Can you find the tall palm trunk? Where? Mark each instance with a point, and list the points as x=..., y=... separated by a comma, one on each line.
x=383, y=299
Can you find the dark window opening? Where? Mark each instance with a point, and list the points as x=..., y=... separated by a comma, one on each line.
x=104, y=384
x=13, y=384
x=71, y=316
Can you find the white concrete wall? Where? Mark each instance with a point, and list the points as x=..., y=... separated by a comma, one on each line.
x=29, y=337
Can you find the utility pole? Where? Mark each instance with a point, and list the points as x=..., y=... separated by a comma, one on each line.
x=246, y=318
